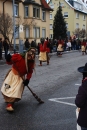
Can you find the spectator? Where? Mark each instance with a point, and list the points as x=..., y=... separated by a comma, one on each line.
x=69, y=45
x=38, y=48
x=81, y=99
x=27, y=44
x=6, y=46
x=73, y=43
x=0, y=48
x=50, y=46
x=33, y=44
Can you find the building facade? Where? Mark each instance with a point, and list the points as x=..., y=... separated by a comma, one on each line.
x=74, y=12
x=31, y=18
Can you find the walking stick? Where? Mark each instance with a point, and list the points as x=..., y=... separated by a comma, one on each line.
x=37, y=98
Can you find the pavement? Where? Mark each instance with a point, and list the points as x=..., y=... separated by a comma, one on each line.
x=53, y=53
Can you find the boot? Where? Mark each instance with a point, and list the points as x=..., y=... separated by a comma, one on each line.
x=9, y=107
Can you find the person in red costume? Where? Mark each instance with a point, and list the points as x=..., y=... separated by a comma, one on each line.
x=18, y=77
x=60, y=47
x=83, y=46
x=44, y=51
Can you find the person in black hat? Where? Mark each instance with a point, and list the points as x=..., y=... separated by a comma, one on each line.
x=81, y=99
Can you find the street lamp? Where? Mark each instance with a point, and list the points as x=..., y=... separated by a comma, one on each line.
x=14, y=25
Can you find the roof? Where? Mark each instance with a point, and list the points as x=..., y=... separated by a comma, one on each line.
x=45, y=5
x=31, y=2
x=81, y=11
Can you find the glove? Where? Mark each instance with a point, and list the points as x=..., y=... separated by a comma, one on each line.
x=26, y=82
x=8, y=58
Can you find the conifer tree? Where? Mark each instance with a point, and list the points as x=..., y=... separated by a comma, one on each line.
x=59, y=25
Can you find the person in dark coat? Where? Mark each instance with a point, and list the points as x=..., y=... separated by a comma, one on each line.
x=38, y=48
x=81, y=99
x=33, y=44
x=6, y=46
x=27, y=44
x=0, y=48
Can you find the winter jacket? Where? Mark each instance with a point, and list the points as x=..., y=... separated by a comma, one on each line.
x=81, y=102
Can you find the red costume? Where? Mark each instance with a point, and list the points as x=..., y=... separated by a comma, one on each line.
x=13, y=85
x=44, y=47
x=44, y=50
x=19, y=65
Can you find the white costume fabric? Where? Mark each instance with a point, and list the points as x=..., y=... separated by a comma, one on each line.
x=12, y=86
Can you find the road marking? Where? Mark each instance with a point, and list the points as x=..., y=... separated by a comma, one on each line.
x=3, y=64
x=64, y=98
x=62, y=102
x=78, y=84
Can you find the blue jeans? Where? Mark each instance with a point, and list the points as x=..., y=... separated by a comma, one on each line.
x=83, y=128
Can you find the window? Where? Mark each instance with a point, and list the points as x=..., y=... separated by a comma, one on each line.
x=66, y=14
x=43, y=15
x=51, y=36
x=50, y=16
x=83, y=26
x=62, y=4
x=76, y=5
x=51, y=26
x=16, y=31
x=43, y=32
x=36, y=12
x=26, y=32
x=50, y=1
x=83, y=17
x=36, y=32
x=26, y=11
x=77, y=25
x=16, y=9
x=80, y=7
x=77, y=15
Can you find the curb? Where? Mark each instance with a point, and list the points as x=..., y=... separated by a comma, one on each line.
x=53, y=53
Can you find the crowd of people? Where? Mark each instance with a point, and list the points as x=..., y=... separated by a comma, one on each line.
x=58, y=45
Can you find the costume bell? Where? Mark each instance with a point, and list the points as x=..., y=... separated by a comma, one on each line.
x=18, y=76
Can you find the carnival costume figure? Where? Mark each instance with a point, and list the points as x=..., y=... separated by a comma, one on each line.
x=44, y=51
x=60, y=47
x=18, y=77
x=83, y=47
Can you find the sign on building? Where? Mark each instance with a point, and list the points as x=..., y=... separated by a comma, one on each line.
x=21, y=28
